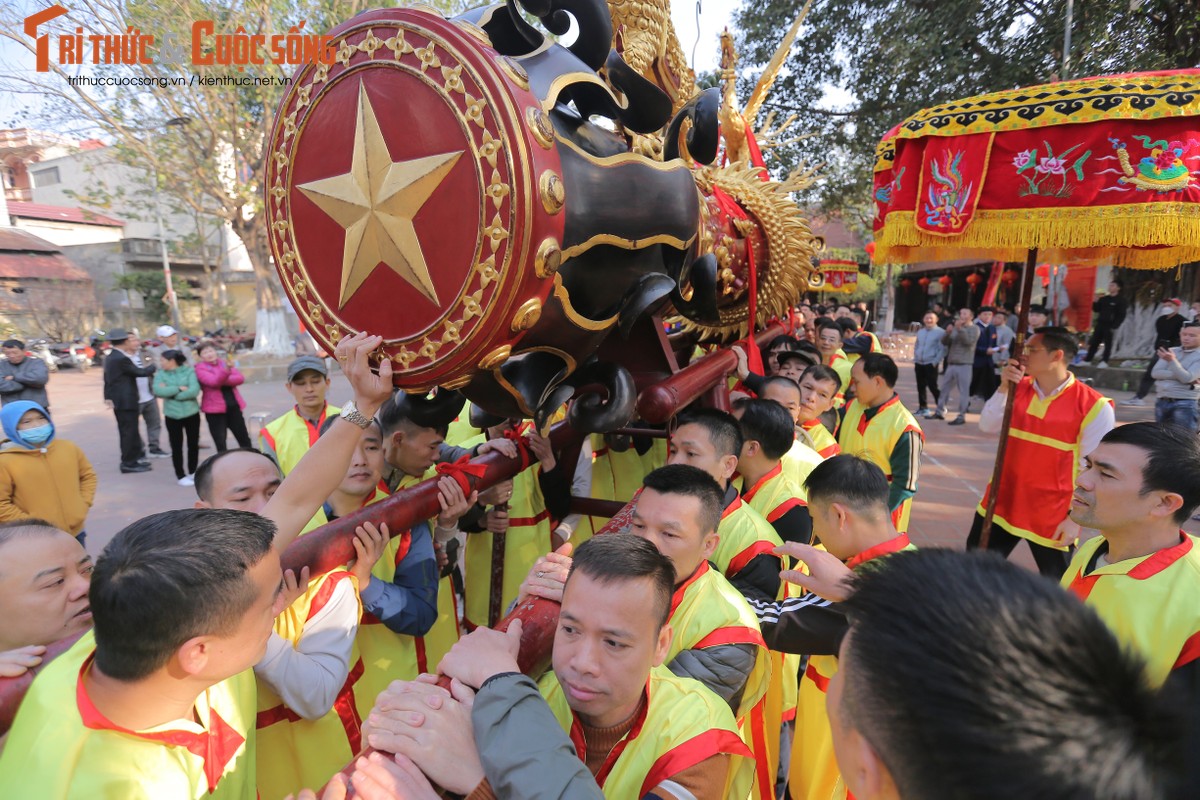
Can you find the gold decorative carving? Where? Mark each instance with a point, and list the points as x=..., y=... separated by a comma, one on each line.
x=474, y=30
x=496, y=357
x=528, y=313
x=515, y=71
x=458, y=382
x=552, y=192
x=548, y=258
x=540, y=126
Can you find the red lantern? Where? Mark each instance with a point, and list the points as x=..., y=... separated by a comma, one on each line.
x=1009, y=276
x=924, y=282
x=944, y=280
x=905, y=283
x=973, y=279
x=870, y=248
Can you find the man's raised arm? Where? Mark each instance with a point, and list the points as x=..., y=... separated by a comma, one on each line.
x=322, y=468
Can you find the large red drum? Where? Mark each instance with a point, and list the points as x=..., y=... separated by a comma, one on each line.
x=414, y=191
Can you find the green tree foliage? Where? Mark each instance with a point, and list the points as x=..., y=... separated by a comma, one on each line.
x=152, y=286
x=894, y=57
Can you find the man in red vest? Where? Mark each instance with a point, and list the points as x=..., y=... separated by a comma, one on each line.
x=1056, y=422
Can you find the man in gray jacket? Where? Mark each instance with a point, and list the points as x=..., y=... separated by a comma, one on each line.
x=959, y=339
x=1176, y=374
x=927, y=356
x=21, y=377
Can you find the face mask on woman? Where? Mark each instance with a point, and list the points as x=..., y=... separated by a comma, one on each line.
x=37, y=435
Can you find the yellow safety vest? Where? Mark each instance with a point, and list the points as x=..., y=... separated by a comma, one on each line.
x=62, y=748
x=680, y=725
x=774, y=495
x=389, y=656
x=296, y=753
x=814, y=771
x=291, y=435
x=615, y=476
x=842, y=366
x=876, y=438
x=814, y=434
x=1151, y=603
x=707, y=611
x=743, y=534
x=527, y=539
x=798, y=463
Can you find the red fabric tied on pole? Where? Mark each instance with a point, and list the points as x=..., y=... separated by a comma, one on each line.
x=517, y=435
x=460, y=470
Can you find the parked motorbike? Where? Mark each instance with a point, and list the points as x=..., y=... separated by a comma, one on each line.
x=41, y=350
x=100, y=347
x=74, y=355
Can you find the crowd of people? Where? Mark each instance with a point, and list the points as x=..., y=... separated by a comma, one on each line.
x=754, y=623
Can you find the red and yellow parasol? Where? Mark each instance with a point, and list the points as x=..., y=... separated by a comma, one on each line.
x=1096, y=169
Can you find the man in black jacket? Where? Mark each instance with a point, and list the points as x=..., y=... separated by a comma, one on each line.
x=121, y=395
x=1110, y=313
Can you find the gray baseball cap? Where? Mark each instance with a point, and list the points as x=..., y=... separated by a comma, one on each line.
x=307, y=362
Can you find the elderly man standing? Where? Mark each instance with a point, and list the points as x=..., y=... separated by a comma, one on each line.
x=21, y=377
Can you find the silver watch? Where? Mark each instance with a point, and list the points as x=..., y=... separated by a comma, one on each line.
x=351, y=414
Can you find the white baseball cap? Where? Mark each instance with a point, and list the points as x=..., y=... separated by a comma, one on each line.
x=164, y=331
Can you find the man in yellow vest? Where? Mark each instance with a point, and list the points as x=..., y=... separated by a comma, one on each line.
x=711, y=440
x=878, y=427
x=848, y=500
x=156, y=705
x=414, y=440
x=288, y=437
x=829, y=342
x=1025, y=691
x=1056, y=422
x=634, y=729
x=536, y=500
x=767, y=434
x=1142, y=573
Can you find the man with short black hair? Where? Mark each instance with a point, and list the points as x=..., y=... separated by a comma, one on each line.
x=1177, y=380
x=1056, y=422
x=1142, y=573
x=767, y=435
x=715, y=639
x=21, y=377
x=1016, y=711
x=640, y=731
x=167, y=682
x=829, y=342
x=880, y=429
x=711, y=440
x=848, y=501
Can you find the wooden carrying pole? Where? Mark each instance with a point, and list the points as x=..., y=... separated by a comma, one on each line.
x=1018, y=349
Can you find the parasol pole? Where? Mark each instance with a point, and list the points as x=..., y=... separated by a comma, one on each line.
x=1018, y=348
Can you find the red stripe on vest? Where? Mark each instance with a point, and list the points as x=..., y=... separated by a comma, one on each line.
x=817, y=678
x=1081, y=587
x=692, y=752
x=323, y=595
x=766, y=781
x=738, y=562
x=1190, y=651
x=677, y=598
x=611, y=760
x=734, y=634
x=524, y=522
x=785, y=507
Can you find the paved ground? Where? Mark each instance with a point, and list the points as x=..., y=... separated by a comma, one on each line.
x=955, y=470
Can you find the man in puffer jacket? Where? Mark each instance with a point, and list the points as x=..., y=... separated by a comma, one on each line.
x=40, y=476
